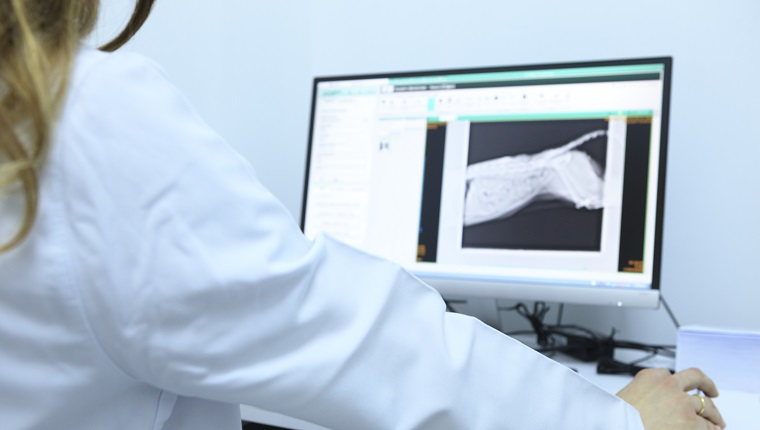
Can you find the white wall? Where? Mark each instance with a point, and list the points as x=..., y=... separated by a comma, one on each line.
x=247, y=65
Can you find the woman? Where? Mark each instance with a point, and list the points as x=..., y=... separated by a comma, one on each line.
x=149, y=280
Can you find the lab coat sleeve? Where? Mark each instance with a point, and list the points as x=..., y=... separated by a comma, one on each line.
x=197, y=281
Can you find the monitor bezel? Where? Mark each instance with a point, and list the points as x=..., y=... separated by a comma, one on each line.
x=612, y=296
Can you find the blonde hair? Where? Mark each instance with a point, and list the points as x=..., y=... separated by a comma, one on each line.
x=38, y=42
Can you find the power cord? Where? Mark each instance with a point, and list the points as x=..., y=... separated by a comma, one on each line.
x=582, y=343
x=569, y=339
x=609, y=365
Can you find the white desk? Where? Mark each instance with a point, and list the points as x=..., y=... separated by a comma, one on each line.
x=740, y=410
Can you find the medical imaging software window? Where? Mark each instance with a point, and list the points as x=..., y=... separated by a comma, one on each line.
x=526, y=176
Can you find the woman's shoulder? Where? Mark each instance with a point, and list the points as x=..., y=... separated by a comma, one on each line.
x=122, y=110
x=111, y=70
x=122, y=93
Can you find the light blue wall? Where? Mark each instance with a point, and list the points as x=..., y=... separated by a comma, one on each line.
x=247, y=65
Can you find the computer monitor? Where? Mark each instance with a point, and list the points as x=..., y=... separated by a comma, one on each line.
x=536, y=182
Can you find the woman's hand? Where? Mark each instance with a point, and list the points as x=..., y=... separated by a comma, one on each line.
x=664, y=404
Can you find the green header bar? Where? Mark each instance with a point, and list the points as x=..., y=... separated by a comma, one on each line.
x=529, y=74
x=546, y=116
x=351, y=91
x=500, y=79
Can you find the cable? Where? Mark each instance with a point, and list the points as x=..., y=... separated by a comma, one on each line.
x=610, y=366
x=508, y=308
x=580, y=342
x=666, y=350
x=667, y=308
x=559, y=313
x=536, y=320
x=450, y=308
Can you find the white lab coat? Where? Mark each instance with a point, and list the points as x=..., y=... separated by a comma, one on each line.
x=162, y=286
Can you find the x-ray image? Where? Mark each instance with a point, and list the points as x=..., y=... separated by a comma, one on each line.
x=500, y=187
x=535, y=185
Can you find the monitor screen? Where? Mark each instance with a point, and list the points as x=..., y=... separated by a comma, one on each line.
x=539, y=182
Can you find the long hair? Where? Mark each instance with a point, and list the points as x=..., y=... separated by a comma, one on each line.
x=38, y=42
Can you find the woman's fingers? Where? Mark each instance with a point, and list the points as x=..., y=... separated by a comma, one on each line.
x=694, y=379
x=709, y=411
